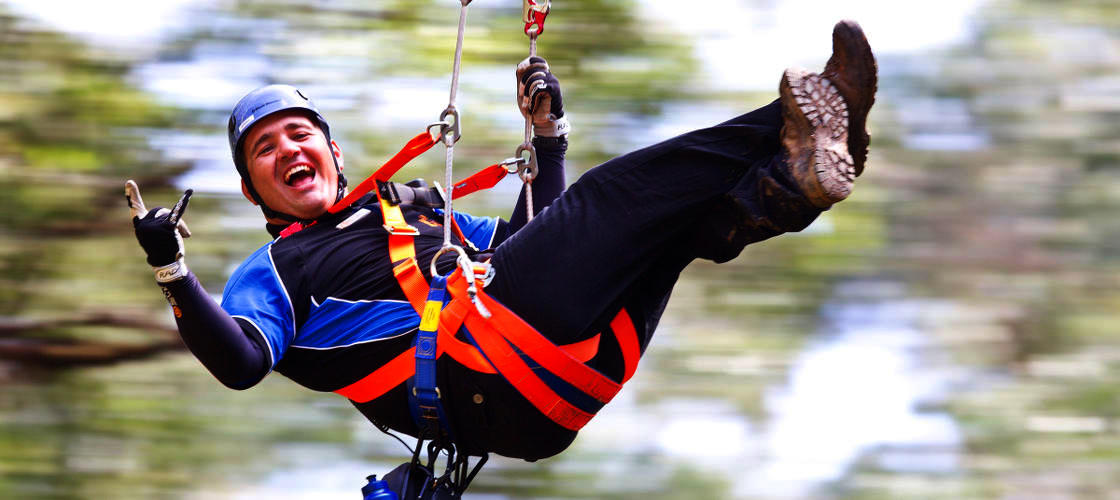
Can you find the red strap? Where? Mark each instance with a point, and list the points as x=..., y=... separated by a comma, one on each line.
x=627, y=342
x=517, y=372
x=415, y=147
x=450, y=320
x=399, y=369
x=495, y=335
x=583, y=350
x=294, y=228
x=540, y=349
x=483, y=179
x=383, y=379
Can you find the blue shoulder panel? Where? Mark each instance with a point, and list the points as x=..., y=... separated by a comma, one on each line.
x=341, y=323
x=256, y=293
x=480, y=230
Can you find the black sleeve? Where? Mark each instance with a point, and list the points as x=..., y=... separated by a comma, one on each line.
x=548, y=184
x=233, y=354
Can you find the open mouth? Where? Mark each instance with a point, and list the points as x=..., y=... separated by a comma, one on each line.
x=299, y=175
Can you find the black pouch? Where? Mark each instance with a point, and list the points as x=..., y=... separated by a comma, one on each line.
x=413, y=481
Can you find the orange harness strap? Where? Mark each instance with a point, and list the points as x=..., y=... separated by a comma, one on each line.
x=398, y=370
x=504, y=324
x=483, y=179
x=407, y=272
x=494, y=337
x=497, y=337
x=415, y=147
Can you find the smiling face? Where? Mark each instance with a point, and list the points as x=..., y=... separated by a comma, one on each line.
x=289, y=160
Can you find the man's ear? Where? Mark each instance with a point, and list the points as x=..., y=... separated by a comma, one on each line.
x=337, y=150
x=245, y=191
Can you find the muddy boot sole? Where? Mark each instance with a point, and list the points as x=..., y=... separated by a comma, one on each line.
x=815, y=135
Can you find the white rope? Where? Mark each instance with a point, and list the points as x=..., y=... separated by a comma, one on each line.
x=452, y=135
x=531, y=164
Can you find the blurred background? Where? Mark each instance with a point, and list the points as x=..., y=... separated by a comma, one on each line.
x=950, y=331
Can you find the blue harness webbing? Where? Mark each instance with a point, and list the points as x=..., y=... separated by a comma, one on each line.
x=424, y=398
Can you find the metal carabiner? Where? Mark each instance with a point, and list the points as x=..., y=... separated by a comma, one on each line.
x=527, y=170
x=452, y=125
x=512, y=165
x=461, y=258
x=467, y=266
x=438, y=134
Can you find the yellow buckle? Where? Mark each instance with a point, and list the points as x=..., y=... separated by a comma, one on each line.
x=394, y=220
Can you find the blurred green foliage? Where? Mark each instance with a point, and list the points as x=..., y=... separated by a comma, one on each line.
x=72, y=128
x=71, y=124
x=1008, y=217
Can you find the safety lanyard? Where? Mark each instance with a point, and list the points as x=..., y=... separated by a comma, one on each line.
x=428, y=411
x=533, y=14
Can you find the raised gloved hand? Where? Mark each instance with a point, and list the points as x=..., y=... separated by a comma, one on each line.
x=538, y=96
x=160, y=232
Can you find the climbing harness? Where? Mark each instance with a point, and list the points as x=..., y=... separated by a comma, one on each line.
x=459, y=319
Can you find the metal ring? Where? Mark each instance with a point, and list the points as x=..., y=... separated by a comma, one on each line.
x=463, y=261
x=527, y=170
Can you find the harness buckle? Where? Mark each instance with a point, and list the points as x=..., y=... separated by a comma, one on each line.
x=388, y=192
x=483, y=272
x=401, y=230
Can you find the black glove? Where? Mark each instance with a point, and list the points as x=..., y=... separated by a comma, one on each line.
x=160, y=232
x=539, y=97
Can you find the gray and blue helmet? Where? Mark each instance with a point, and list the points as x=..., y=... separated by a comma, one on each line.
x=259, y=104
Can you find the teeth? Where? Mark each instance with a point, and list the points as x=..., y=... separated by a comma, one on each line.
x=295, y=170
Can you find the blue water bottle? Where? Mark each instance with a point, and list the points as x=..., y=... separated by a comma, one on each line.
x=377, y=490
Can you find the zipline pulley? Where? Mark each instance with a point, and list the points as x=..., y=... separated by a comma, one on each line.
x=533, y=14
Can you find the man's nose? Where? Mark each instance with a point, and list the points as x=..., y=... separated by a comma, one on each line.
x=287, y=148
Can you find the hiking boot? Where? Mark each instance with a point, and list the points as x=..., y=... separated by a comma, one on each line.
x=852, y=69
x=815, y=136
x=825, y=117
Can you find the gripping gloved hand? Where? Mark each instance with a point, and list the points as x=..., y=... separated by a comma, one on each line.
x=160, y=232
x=538, y=97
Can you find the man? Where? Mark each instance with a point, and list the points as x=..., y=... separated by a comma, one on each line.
x=322, y=305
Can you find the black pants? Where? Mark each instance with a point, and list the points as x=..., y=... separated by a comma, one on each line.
x=625, y=230
x=622, y=233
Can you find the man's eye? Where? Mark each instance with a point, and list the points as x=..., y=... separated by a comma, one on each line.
x=299, y=136
x=264, y=150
